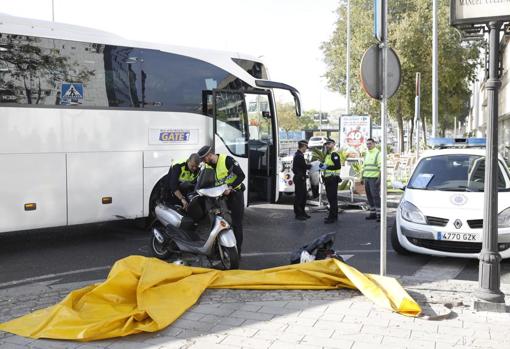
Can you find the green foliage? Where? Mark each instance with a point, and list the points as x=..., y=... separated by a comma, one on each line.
x=318, y=155
x=410, y=35
x=288, y=120
x=358, y=168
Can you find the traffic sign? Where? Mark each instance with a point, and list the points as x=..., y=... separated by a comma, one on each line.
x=371, y=72
x=355, y=138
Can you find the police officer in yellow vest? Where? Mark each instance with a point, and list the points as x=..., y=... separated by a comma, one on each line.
x=372, y=178
x=331, y=175
x=229, y=172
x=182, y=178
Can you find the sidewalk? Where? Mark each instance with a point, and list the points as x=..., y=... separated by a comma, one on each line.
x=294, y=319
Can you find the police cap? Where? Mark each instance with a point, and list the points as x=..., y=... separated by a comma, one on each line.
x=302, y=143
x=206, y=149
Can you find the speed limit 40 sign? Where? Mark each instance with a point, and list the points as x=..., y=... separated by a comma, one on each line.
x=355, y=138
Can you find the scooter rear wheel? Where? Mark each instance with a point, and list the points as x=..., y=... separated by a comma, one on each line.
x=229, y=257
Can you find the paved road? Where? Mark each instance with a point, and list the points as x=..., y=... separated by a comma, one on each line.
x=86, y=252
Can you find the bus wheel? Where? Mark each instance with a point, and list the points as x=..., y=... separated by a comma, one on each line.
x=156, y=195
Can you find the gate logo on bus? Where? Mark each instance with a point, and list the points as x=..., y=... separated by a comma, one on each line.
x=170, y=136
x=159, y=136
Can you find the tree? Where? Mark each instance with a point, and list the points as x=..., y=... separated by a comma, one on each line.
x=287, y=119
x=410, y=34
x=31, y=66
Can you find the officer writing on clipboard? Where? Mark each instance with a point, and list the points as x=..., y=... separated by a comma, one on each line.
x=331, y=174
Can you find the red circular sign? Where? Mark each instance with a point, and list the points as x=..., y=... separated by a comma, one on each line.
x=355, y=138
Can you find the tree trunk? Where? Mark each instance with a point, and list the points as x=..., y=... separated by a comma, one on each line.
x=39, y=92
x=28, y=91
x=424, y=125
x=400, y=123
x=410, y=136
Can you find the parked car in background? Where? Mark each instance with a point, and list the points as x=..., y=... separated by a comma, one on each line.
x=441, y=211
x=316, y=141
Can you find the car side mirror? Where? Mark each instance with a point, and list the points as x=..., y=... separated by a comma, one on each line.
x=399, y=185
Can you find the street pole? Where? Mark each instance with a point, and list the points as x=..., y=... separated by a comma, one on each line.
x=53, y=10
x=434, y=68
x=384, y=112
x=417, y=113
x=489, y=269
x=348, y=62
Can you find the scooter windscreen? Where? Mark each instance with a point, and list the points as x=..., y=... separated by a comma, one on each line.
x=213, y=192
x=206, y=184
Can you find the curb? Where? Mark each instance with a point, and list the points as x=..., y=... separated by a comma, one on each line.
x=390, y=201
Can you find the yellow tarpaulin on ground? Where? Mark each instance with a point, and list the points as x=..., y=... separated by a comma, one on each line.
x=145, y=295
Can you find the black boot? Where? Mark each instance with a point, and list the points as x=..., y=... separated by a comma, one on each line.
x=371, y=216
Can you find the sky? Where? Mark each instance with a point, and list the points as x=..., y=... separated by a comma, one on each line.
x=287, y=34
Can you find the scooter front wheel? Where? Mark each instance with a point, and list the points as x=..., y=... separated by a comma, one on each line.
x=159, y=250
x=229, y=257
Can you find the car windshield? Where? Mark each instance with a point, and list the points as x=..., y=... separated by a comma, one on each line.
x=457, y=172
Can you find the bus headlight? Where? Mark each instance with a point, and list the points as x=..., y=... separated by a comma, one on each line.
x=411, y=213
x=504, y=218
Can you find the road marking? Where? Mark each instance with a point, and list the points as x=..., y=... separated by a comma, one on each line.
x=52, y=276
x=260, y=254
x=346, y=255
x=437, y=269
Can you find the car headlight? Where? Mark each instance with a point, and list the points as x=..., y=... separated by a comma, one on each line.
x=504, y=219
x=411, y=213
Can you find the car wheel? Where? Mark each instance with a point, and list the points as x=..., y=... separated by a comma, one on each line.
x=395, y=243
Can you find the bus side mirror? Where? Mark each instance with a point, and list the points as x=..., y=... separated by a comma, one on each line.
x=266, y=115
x=297, y=102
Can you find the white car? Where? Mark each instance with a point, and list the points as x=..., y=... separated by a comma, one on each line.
x=316, y=141
x=441, y=211
x=286, y=176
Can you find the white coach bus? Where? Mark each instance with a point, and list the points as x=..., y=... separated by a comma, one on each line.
x=90, y=122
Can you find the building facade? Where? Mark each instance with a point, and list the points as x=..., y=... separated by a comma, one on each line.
x=479, y=111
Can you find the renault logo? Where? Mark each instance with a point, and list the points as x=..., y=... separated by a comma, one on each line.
x=457, y=224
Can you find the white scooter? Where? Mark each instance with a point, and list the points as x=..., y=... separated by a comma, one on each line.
x=201, y=230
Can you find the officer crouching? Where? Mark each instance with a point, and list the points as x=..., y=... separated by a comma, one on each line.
x=181, y=178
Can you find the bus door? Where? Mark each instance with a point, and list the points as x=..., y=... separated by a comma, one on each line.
x=261, y=148
x=230, y=126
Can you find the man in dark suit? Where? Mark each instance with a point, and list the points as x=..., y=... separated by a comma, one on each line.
x=299, y=167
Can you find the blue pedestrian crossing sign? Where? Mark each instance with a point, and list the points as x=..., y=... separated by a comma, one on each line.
x=71, y=93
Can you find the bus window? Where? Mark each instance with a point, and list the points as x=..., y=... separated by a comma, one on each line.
x=231, y=121
x=43, y=71
x=259, y=117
